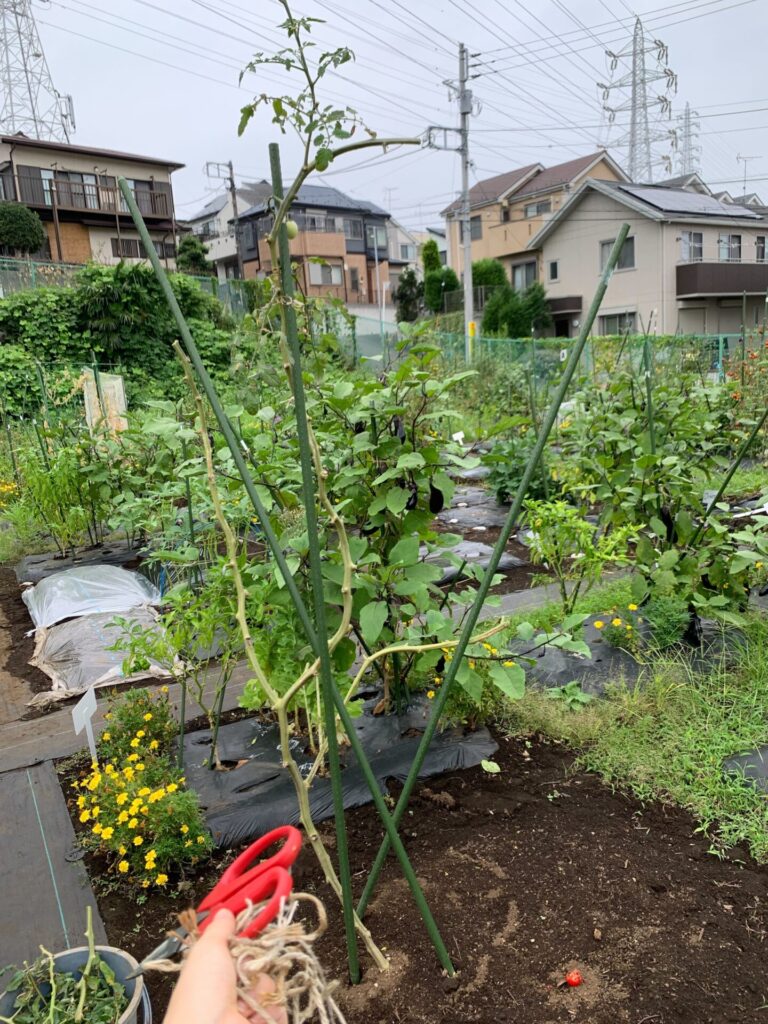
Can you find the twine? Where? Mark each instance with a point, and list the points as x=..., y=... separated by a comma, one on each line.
x=283, y=952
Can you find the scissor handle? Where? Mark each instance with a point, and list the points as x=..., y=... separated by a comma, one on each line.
x=274, y=884
x=240, y=874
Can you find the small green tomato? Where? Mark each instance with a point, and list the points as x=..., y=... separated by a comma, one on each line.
x=292, y=228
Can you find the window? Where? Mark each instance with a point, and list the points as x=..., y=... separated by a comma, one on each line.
x=505, y=215
x=729, y=248
x=536, y=209
x=618, y=323
x=324, y=273
x=354, y=279
x=353, y=229
x=251, y=235
x=165, y=250
x=47, y=177
x=626, y=257
x=407, y=252
x=554, y=270
x=377, y=236
x=692, y=246
x=128, y=249
x=315, y=220
x=475, y=228
x=523, y=275
x=207, y=229
x=760, y=248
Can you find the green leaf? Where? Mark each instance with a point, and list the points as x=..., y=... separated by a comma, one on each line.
x=267, y=414
x=372, y=619
x=490, y=766
x=684, y=526
x=397, y=499
x=343, y=389
x=344, y=655
x=658, y=527
x=525, y=631
x=669, y=559
x=411, y=460
x=510, y=680
x=405, y=552
x=645, y=551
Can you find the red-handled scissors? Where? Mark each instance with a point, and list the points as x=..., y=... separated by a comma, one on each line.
x=244, y=881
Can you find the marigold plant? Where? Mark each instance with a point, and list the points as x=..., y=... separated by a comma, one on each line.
x=134, y=712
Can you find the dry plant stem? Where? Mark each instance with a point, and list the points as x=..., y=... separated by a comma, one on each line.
x=277, y=703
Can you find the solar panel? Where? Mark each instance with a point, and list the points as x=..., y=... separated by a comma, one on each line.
x=677, y=201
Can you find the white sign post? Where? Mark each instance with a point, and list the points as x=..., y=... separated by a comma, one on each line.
x=82, y=713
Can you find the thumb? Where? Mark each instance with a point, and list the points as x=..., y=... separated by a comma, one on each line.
x=221, y=928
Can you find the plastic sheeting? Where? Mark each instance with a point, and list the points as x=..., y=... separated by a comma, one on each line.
x=76, y=654
x=88, y=590
x=257, y=796
x=751, y=766
x=33, y=568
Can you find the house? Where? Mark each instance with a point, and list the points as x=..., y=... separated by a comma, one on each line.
x=403, y=252
x=342, y=249
x=508, y=210
x=214, y=225
x=74, y=191
x=691, y=263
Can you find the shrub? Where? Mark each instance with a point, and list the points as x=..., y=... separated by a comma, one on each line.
x=407, y=295
x=21, y=230
x=133, y=711
x=430, y=256
x=191, y=255
x=488, y=274
x=668, y=617
x=436, y=284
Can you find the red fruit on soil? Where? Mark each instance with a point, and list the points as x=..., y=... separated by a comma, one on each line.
x=573, y=979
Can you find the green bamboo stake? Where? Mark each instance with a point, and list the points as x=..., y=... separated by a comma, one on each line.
x=43, y=390
x=301, y=610
x=9, y=438
x=327, y=682
x=97, y=382
x=470, y=622
x=649, y=393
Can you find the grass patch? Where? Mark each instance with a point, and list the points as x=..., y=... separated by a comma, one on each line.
x=667, y=740
x=746, y=481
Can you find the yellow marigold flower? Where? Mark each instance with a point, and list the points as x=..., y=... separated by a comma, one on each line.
x=110, y=769
x=632, y=607
x=121, y=850
x=148, y=716
x=628, y=628
x=164, y=689
x=122, y=867
x=138, y=840
x=121, y=798
x=200, y=839
x=107, y=716
x=154, y=745
x=81, y=801
x=438, y=680
x=132, y=757
x=106, y=735
x=95, y=810
x=616, y=621
x=145, y=791
x=598, y=623
x=508, y=664
x=758, y=565
x=135, y=742
x=140, y=767
x=171, y=787
x=188, y=843
x=133, y=823
x=140, y=734
x=430, y=694
x=97, y=829
x=107, y=833
x=122, y=817
x=184, y=829
x=145, y=884
x=161, y=879
x=144, y=809
x=128, y=772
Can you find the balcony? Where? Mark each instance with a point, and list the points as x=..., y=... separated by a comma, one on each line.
x=721, y=279
x=96, y=198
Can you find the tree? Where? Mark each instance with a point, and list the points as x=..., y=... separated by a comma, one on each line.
x=535, y=309
x=21, y=230
x=436, y=284
x=515, y=315
x=488, y=274
x=407, y=295
x=430, y=256
x=191, y=256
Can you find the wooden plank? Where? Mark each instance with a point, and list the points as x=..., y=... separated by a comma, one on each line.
x=44, y=897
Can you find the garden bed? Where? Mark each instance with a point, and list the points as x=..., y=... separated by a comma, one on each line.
x=531, y=872
x=21, y=680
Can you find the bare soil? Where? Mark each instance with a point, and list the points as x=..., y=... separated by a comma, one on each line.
x=19, y=681
x=530, y=873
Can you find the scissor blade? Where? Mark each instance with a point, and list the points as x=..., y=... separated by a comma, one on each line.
x=167, y=949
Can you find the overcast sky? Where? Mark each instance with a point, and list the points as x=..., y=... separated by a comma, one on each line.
x=166, y=84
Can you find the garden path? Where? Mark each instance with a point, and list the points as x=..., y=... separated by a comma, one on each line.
x=44, y=893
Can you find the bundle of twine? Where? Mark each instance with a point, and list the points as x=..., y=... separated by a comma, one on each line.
x=283, y=952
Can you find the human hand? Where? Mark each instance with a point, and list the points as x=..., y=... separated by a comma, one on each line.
x=206, y=990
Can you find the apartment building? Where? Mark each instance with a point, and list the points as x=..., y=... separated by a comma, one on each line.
x=342, y=249
x=509, y=209
x=214, y=225
x=692, y=263
x=74, y=191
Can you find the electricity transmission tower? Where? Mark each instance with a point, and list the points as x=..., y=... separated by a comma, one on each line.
x=631, y=77
x=30, y=103
x=688, y=149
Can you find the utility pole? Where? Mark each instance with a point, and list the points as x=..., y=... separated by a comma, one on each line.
x=226, y=172
x=745, y=160
x=465, y=111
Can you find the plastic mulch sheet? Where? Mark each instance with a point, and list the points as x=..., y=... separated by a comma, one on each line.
x=77, y=656
x=33, y=568
x=249, y=800
x=88, y=590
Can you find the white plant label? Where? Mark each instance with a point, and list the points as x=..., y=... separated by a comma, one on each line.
x=82, y=713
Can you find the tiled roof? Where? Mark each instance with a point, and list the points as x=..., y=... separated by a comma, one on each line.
x=324, y=197
x=560, y=174
x=489, y=189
